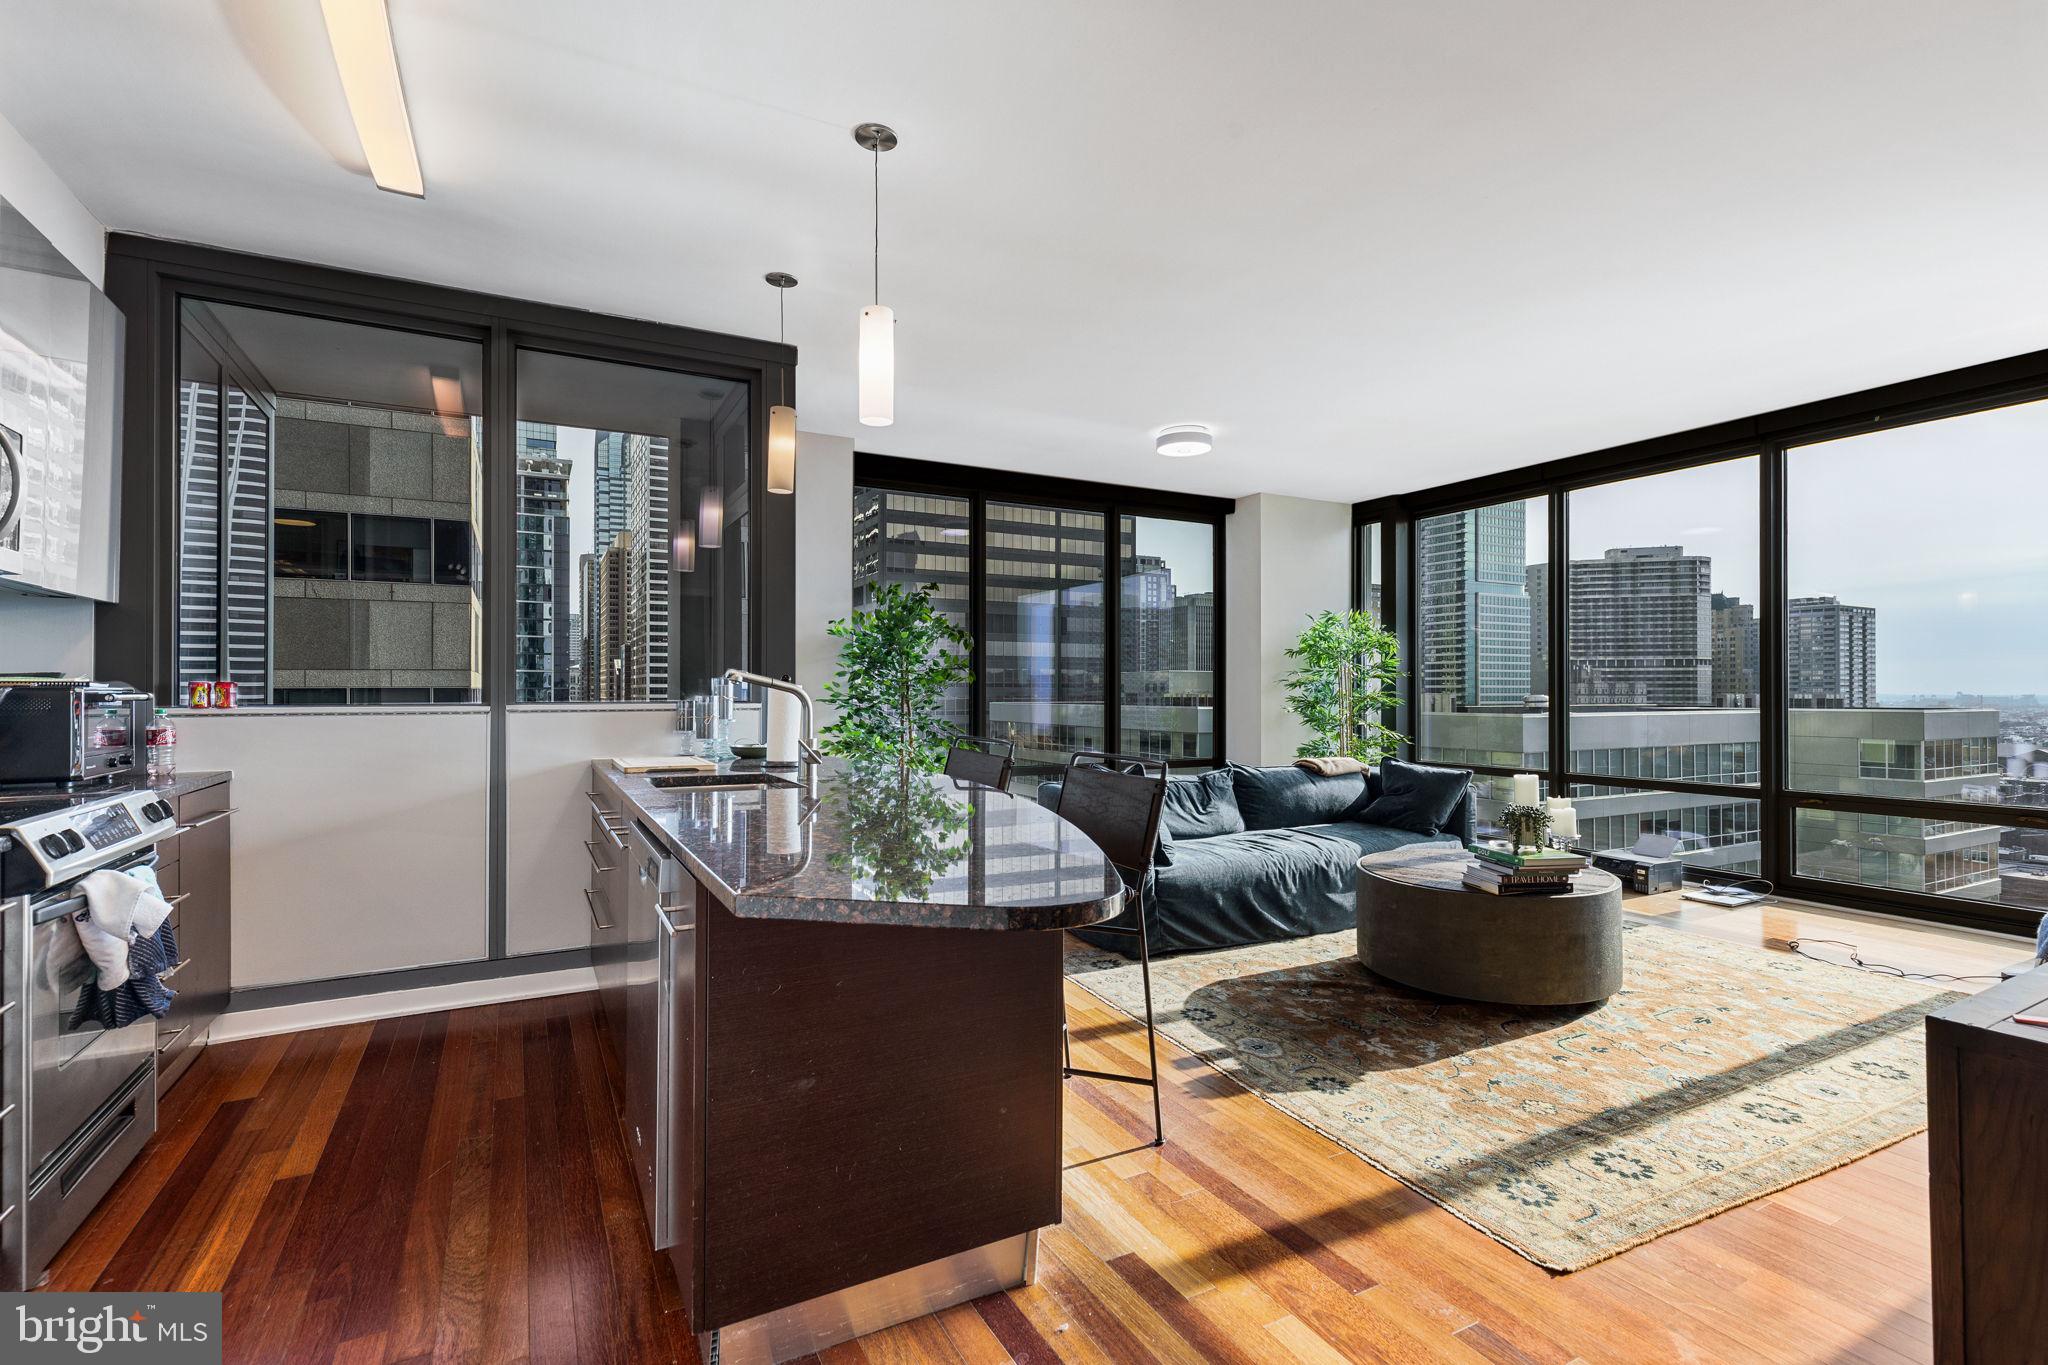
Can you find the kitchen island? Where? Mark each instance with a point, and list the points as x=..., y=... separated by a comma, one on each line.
x=838, y=1008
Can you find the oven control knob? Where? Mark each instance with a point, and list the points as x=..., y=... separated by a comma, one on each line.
x=73, y=842
x=156, y=810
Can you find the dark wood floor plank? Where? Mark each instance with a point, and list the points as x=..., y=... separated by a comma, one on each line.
x=456, y=1188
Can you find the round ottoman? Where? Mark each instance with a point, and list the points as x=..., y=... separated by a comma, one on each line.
x=1420, y=926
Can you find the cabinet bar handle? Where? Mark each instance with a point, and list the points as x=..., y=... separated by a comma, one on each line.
x=177, y=967
x=591, y=849
x=178, y=899
x=590, y=899
x=208, y=819
x=170, y=1039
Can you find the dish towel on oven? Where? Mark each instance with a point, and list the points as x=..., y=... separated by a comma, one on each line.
x=124, y=930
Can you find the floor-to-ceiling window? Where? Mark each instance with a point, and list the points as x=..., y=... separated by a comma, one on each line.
x=1808, y=652
x=1045, y=676
x=1915, y=657
x=1034, y=578
x=1477, y=659
x=917, y=540
x=1661, y=644
x=1166, y=638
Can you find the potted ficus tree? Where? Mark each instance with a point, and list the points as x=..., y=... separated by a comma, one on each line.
x=1346, y=668
x=895, y=663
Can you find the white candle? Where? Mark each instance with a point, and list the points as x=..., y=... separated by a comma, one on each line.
x=1527, y=789
x=1564, y=820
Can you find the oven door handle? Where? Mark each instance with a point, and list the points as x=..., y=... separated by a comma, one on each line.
x=51, y=908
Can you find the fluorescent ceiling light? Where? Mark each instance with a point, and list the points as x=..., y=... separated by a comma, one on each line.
x=360, y=33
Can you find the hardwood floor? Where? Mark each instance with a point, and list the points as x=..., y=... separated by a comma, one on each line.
x=451, y=1187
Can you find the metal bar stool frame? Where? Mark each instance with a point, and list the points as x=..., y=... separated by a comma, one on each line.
x=1132, y=859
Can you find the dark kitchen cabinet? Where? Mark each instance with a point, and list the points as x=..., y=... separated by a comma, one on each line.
x=194, y=869
x=1987, y=1126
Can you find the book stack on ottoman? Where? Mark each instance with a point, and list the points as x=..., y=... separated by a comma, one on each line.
x=1500, y=871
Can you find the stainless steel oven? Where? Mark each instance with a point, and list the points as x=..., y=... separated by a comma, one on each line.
x=77, y=1100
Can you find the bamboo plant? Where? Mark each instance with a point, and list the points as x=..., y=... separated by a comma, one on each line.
x=1346, y=669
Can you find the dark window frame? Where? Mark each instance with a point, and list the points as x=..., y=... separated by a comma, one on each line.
x=978, y=487
x=1767, y=436
x=135, y=637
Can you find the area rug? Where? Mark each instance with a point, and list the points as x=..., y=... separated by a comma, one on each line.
x=1719, y=1074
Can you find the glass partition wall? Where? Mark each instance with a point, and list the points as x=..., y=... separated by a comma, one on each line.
x=1811, y=657
x=1058, y=670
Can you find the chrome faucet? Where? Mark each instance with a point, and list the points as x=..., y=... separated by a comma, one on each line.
x=807, y=743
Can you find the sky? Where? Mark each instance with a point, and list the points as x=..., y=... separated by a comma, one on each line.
x=1188, y=547
x=1932, y=524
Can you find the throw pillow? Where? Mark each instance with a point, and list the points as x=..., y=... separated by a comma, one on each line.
x=1290, y=797
x=1417, y=798
x=1200, y=807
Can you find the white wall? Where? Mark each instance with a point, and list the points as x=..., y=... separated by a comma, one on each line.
x=48, y=633
x=1287, y=559
x=359, y=839
x=824, y=555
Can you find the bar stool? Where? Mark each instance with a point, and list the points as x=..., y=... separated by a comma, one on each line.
x=981, y=761
x=1115, y=799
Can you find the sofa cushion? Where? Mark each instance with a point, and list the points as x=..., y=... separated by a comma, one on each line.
x=1289, y=797
x=1417, y=797
x=1201, y=807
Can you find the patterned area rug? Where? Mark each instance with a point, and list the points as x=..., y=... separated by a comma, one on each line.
x=1719, y=1074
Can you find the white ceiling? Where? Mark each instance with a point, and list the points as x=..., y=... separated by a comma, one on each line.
x=1379, y=245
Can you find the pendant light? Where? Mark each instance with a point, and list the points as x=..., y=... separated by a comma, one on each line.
x=711, y=517
x=877, y=324
x=686, y=547
x=782, y=417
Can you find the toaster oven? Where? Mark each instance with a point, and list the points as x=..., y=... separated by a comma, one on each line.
x=64, y=730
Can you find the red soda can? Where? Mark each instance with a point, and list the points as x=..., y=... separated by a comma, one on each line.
x=200, y=696
x=227, y=694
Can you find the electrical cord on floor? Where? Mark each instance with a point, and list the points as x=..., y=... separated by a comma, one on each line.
x=1798, y=945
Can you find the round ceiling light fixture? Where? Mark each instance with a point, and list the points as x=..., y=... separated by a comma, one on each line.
x=1184, y=439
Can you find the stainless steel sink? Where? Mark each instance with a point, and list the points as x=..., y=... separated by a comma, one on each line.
x=721, y=781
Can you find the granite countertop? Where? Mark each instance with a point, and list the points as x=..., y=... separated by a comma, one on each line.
x=184, y=784
x=931, y=853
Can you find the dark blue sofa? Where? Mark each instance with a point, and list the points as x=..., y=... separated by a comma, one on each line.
x=1288, y=872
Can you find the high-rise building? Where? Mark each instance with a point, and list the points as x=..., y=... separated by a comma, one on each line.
x=542, y=567
x=1194, y=631
x=1475, y=608
x=1145, y=634
x=605, y=579
x=1641, y=628
x=647, y=590
x=610, y=486
x=1830, y=653
x=1735, y=652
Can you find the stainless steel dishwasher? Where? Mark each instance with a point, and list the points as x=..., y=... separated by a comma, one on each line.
x=660, y=1063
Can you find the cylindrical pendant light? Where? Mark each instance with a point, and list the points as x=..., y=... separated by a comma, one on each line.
x=711, y=517
x=877, y=324
x=686, y=547
x=781, y=417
